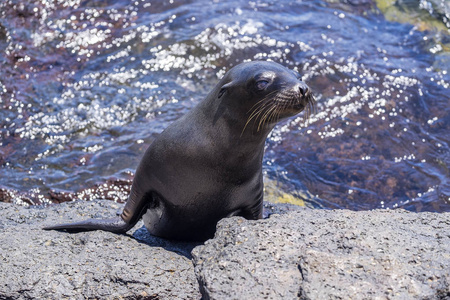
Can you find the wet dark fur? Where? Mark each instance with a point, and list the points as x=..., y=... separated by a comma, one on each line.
x=207, y=165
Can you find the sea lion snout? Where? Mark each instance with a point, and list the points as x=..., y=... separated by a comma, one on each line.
x=302, y=98
x=302, y=88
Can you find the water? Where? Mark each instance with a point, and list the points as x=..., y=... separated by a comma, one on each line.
x=86, y=86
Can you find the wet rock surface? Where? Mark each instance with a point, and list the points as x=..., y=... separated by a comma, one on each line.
x=319, y=254
x=300, y=254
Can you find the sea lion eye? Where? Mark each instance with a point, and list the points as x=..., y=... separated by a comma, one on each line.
x=261, y=84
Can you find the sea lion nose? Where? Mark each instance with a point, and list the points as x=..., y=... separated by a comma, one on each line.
x=303, y=89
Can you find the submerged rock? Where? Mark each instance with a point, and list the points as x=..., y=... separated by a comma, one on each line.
x=300, y=254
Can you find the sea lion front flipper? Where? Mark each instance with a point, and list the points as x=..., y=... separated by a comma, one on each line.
x=117, y=225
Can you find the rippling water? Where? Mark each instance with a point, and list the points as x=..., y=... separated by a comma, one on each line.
x=86, y=86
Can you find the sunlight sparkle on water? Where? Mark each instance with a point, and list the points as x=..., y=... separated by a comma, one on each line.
x=97, y=77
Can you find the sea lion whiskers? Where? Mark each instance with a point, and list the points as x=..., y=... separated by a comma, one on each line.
x=267, y=109
x=255, y=114
x=313, y=102
x=280, y=108
x=274, y=114
x=272, y=107
x=307, y=113
x=310, y=108
x=265, y=117
x=258, y=108
x=269, y=95
x=293, y=98
x=280, y=102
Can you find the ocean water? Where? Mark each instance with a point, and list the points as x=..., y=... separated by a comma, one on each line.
x=86, y=86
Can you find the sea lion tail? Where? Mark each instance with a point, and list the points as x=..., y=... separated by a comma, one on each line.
x=116, y=225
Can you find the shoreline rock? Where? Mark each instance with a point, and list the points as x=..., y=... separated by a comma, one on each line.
x=38, y=264
x=324, y=254
x=299, y=254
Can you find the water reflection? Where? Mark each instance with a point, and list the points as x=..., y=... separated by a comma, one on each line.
x=85, y=86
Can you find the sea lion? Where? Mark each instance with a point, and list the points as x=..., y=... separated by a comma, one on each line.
x=207, y=165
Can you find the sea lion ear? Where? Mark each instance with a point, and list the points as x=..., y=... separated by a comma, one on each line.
x=224, y=88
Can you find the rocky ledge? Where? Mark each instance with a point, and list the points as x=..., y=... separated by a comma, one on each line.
x=300, y=254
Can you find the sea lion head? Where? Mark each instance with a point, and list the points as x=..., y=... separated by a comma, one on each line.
x=263, y=93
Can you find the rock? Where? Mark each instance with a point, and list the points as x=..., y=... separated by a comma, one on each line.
x=38, y=264
x=300, y=254
x=320, y=254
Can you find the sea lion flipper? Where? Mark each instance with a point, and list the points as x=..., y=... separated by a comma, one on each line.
x=117, y=225
x=131, y=214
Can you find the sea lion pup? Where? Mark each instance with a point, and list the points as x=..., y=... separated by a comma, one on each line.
x=207, y=165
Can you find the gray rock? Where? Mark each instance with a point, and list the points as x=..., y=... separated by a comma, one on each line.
x=302, y=254
x=37, y=264
x=319, y=254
